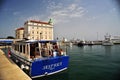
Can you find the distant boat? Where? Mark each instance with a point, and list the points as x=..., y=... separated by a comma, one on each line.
x=70, y=44
x=90, y=43
x=81, y=43
x=107, y=41
x=39, y=58
x=116, y=40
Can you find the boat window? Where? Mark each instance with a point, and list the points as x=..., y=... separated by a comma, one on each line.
x=37, y=51
x=27, y=50
x=32, y=50
x=15, y=47
x=20, y=48
x=24, y=49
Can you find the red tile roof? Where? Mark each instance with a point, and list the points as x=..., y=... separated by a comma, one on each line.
x=21, y=28
x=34, y=21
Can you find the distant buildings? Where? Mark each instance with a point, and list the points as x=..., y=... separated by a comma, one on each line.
x=36, y=30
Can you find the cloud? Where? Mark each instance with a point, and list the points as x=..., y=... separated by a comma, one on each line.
x=33, y=17
x=61, y=13
x=16, y=13
x=90, y=18
x=113, y=10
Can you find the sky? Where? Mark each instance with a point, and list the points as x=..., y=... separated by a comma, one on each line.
x=73, y=19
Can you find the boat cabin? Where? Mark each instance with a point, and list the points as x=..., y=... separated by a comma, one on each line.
x=34, y=49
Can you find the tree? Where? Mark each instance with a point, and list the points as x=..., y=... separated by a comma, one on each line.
x=10, y=37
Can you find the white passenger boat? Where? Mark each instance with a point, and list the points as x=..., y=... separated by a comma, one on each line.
x=40, y=58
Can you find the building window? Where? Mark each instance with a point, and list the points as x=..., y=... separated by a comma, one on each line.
x=37, y=37
x=39, y=24
x=32, y=32
x=46, y=37
x=41, y=32
x=32, y=37
x=35, y=23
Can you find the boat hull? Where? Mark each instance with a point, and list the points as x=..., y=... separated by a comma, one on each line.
x=107, y=43
x=43, y=66
x=49, y=66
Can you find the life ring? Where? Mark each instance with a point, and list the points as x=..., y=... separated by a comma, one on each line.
x=9, y=53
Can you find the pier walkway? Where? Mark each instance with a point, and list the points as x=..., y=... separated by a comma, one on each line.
x=9, y=70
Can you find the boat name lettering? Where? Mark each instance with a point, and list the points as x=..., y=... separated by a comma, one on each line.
x=52, y=66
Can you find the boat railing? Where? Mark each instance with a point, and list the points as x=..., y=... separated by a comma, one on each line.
x=22, y=60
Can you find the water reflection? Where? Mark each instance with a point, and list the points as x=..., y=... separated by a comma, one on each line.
x=107, y=51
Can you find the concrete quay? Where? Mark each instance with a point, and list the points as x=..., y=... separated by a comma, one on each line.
x=9, y=70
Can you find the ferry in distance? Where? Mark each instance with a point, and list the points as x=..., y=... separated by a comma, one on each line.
x=107, y=41
x=39, y=58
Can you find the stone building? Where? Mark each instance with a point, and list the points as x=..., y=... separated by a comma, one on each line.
x=38, y=30
x=19, y=33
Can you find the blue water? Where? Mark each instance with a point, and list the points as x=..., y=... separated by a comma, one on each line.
x=95, y=62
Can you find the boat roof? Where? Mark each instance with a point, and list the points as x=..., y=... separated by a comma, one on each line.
x=40, y=41
x=6, y=40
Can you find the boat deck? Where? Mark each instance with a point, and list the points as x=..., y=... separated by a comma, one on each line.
x=9, y=70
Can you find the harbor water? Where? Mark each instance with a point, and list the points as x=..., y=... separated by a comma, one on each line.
x=95, y=62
